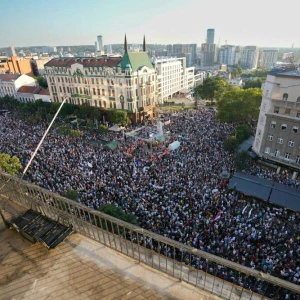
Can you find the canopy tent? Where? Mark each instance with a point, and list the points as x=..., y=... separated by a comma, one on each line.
x=174, y=145
x=115, y=128
x=112, y=145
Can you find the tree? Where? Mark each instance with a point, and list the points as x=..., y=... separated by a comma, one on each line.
x=212, y=88
x=241, y=160
x=231, y=144
x=255, y=83
x=118, y=213
x=120, y=117
x=42, y=82
x=72, y=195
x=239, y=106
x=10, y=164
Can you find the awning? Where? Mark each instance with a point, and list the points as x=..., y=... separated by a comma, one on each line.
x=285, y=196
x=251, y=185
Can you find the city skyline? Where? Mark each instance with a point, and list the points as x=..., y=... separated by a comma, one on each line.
x=74, y=22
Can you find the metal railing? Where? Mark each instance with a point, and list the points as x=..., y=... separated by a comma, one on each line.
x=211, y=273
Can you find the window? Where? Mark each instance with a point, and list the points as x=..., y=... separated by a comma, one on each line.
x=280, y=140
x=287, y=156
x=103, y=92
x=85, y=72
x=295, y=129
x=285, y=96
x=277, y=153
x=298, y=100
x=283, y=126
x=93, y=81
x=94, y=91
x=259, y=132
x=298, y=114
x=270, y=137
x=287, y=111
x=273, y=124
x=297, y=160
x=276, y=110
x=98, y=90
x=291, y=143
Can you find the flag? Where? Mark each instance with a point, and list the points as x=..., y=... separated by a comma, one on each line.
x=243, y=211
x=249, y=215
x=168, y=122
x=217, y=216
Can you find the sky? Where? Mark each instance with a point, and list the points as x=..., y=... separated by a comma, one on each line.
x=263, y=23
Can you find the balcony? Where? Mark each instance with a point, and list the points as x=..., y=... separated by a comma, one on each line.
x=81, y=96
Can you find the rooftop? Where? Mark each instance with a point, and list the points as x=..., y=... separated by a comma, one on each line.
x=43, y=92
x=27, y=89
x=9, y=77
x=103, y=61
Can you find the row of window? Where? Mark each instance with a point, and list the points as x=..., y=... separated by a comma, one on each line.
x=101, y=81
x=291, y=143
x=287, y=155
x=287, y=111
x=284, y=127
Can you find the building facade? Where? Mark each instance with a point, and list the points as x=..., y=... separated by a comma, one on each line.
x=278, y=130
x=227, y=55
x=267, y=58
x=15, y=64
x=249, y=57
x=210, y=36
x=10, y=84
x=173, y=77
x=208, y=52
x=107, y=82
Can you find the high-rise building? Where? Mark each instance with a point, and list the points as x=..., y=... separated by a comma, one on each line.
x=207, y=55
x=10, y=51
x=178, y=48
x=267, y=58
x=249, y=57
x=100, y=43
x=227, y=55
x=210, y=36
x=170, y=48
x=277, y=135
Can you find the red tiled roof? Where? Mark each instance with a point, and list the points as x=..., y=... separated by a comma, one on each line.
x=104, y=61
x=9, y=77
x=27, y=89
x=43, y=92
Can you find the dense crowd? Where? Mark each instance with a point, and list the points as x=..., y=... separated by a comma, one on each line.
x=178, y=194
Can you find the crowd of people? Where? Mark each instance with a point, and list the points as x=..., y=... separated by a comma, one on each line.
x=178, y=194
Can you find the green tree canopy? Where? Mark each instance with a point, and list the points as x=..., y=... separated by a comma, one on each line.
x=212, y=88
x=72, y=195
x=42, y=82
x=239, y=106
x=10, y=164
x=120, y=117
x=118, y=213
x=241, y=160
x=255, y=83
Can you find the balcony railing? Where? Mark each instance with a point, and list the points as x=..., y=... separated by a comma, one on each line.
x=196, y=267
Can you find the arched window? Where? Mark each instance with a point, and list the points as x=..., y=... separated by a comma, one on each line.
x=285, y=96
x=298, y=100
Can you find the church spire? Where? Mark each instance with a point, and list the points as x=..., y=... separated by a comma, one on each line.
x=144, y=44
x=125, y=45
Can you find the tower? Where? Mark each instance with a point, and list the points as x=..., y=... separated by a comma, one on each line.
x=125, y=45
x=210, y=37
x=144, y=45
x=100, y=43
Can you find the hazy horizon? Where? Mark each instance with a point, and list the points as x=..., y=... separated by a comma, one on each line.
x=76, y=22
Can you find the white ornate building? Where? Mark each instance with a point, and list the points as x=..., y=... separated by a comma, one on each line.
x=110, y=83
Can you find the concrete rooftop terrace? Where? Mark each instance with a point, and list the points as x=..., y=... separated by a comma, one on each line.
x=80, y=268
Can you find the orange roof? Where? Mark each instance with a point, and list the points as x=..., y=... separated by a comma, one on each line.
x=103, y=61
x=43, y=92
x=27, y=89
x=9, y=77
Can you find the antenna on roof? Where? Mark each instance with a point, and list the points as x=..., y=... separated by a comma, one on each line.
x=125, y=45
